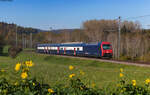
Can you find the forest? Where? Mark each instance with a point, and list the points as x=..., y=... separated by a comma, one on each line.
x=134, y=39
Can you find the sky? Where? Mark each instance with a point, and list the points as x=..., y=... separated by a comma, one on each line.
x=69, y=14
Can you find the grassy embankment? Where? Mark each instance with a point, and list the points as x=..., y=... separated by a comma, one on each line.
x=54, y=69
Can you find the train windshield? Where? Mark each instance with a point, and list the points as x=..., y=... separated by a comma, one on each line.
x=106, y=46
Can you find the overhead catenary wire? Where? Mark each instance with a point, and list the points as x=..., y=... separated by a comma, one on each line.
x=136, y=17
x=119, y=23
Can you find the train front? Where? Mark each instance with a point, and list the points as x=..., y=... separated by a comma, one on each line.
x=106, y=49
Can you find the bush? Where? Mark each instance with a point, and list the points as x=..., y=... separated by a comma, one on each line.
x=125, y=58
x=1, y=50
x=2, y=43
x=145, y=58
x=13, y=51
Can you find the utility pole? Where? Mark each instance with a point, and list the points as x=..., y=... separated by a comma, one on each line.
x=22, y=40
x=25, y=40
x=16, y=36
x=119, y=35
x=31, y=40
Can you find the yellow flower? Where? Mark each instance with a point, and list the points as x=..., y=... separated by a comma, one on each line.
x=124, y=89
x=121, y=75
x=29, y=63
x=33, y=84
x=118, y=85
x=81, y=72
x=2, y=70
x=17, y=67
x=134, y=82
x=93, y=85
x=71, y=67
x=72, y=75
x=121, y=70
x=50, y=90
x=147, y=81
x=24, y=75
x=121, y=91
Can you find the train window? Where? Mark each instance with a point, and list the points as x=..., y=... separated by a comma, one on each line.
x=61, y=48
x=106, y=46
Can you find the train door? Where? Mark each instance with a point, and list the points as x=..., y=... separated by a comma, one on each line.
x=57, y=50
x=64, y=50
x=74, y=51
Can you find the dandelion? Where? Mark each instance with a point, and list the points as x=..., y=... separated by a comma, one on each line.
x=121, y=75
x=81, y=72
x=72, y=75
x=29, y=63
x=124, y=89
x=17, y=67
x=147, y=81
x=24, y=75
x=50, y=90
x=2, y=70
x=71, y=67
x=134, y=82
x=121, y=91
x=93, y=85
x=121, y=69
x=118, y=85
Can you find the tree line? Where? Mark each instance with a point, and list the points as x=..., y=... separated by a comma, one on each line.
x=134, y=40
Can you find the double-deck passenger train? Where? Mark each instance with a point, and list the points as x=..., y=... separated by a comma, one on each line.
x=100, y=49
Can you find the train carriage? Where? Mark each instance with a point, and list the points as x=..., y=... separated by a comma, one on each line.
x=101, y=49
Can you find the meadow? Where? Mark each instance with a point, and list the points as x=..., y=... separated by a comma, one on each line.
x=54, y=69
x=63, y=75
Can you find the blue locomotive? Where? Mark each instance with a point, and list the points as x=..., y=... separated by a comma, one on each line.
x=100, y=49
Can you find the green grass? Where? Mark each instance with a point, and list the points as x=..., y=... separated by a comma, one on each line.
x=54, y=69
x=29, y=49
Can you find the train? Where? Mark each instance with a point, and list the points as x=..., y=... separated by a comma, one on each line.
x=98, y=49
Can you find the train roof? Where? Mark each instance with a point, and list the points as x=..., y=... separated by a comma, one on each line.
x=73, y=44
x=81, y=44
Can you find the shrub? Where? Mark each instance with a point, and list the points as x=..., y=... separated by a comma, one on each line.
x=125, y=58
x=1, y=50
x=13, y=51
x=146, y=57
x=2, y=43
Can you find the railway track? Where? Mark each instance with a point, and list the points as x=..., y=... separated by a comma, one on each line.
x=141, y=64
